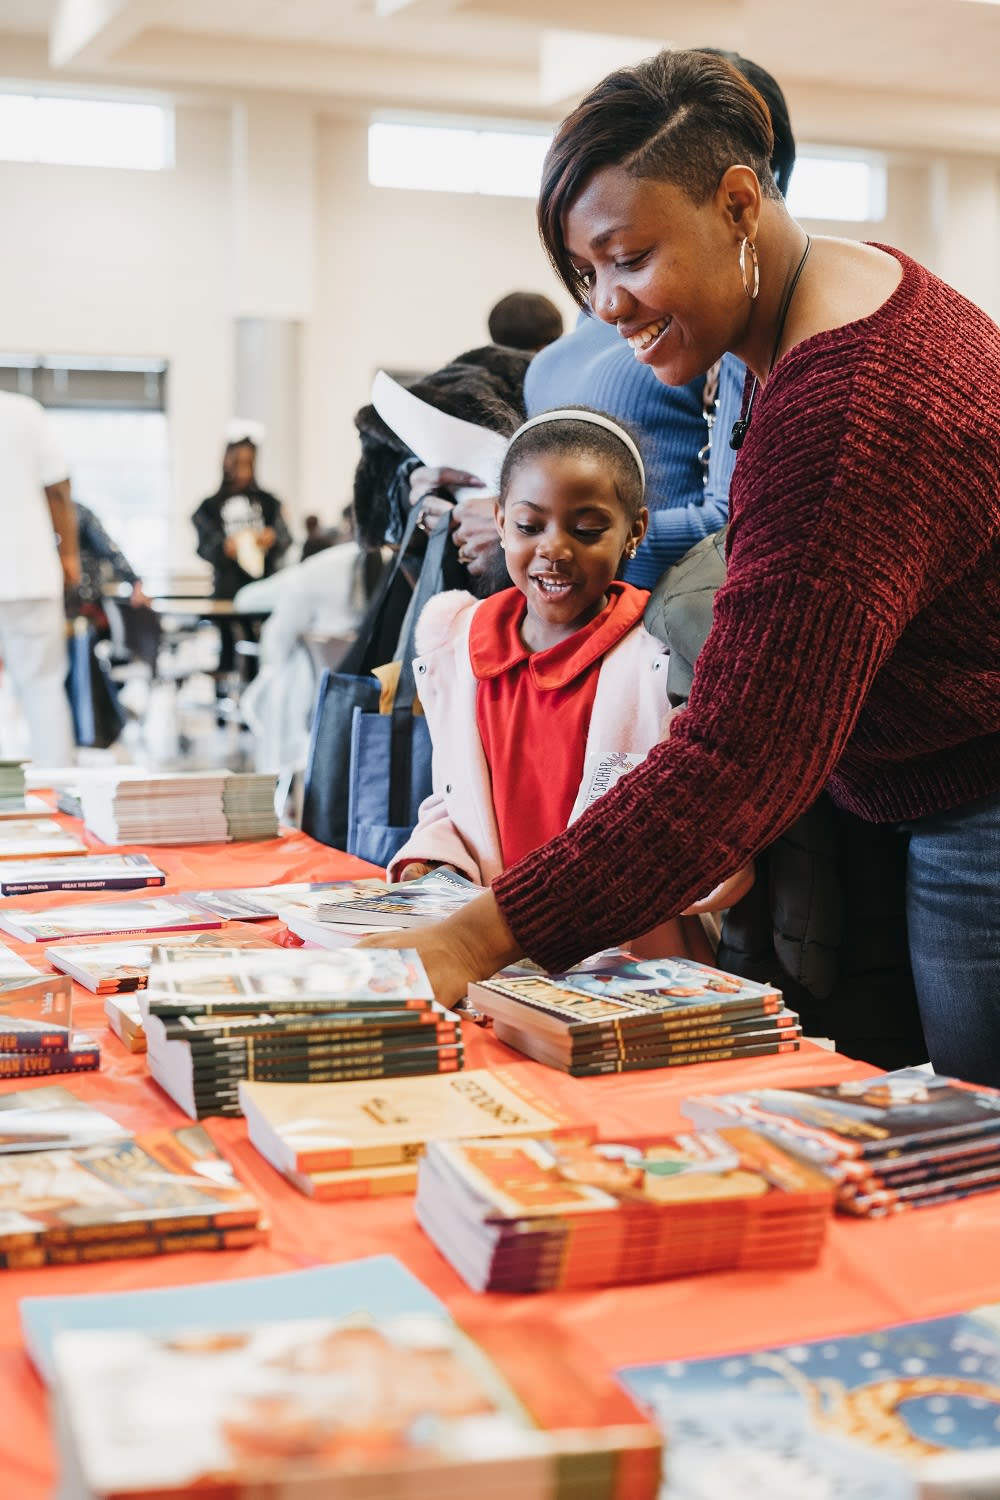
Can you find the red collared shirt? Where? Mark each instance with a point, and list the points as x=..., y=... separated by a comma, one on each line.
x=533, y=711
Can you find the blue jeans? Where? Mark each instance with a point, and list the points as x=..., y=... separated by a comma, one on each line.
x=953, y=918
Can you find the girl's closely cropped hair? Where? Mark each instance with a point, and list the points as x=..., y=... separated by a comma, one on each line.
x=577, y=430
x=678, y=117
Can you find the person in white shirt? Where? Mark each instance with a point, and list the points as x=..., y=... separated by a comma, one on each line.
x=39, y=557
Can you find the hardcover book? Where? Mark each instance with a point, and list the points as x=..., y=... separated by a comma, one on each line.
x=909, y=1410
x=92, y=872
x=156, y=914
x=327, y=1127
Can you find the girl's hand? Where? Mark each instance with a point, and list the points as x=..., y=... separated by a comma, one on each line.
x=726, y=894
x=414, y=870
x=472, y=944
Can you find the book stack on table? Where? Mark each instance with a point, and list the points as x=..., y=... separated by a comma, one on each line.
x=76, y=1186
x=214, y=1018
x=617, y=1013
x=902, y=1140
x=351, y=1140
x=36, y=1034
x=12, y=778
x=188, y=807
x=92, y=872
x=248, y=805
x=525, y=1216
x=349, y=909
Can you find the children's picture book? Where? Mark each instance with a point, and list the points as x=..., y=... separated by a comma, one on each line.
x=619, y=989
x=353, y=1407
x=37, y=838
x=92, y=872
x=52, y=1119
x=257, y=903
x=323, y=1127
x=158, y=1180
x=112, y=968
x=376, y=1284
x=194, y=981
x=911, y=1409
x=155, y=914
x=24, y=807
x=407, y=904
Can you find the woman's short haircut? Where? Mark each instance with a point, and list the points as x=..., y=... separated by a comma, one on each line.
x=678, y=117
x=563, y=435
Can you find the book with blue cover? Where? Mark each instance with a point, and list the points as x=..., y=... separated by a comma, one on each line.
x=377, y=1284
x=911, y=1410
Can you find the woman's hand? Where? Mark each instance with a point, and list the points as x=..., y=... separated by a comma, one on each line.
x=726, y=894
x=473, y=944
x=474, y=532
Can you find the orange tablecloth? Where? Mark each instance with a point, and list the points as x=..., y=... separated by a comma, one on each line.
x=916, y=1265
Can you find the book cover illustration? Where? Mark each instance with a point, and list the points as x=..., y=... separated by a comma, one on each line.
x=191, y=979
x=93, y=1192
x=156, y=914
x=871, y=1117
x=866, y=1417
x=429, y=899
x=50, y=1119
x=623, y=987
x=256, y=903
x=110, y=967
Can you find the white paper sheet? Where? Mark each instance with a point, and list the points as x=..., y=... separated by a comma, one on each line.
x=440, y=440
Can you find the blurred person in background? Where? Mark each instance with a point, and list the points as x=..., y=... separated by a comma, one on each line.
x=40, y=559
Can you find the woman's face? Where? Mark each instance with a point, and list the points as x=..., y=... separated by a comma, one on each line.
x=663, y=269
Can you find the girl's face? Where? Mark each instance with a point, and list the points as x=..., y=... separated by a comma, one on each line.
x=564, y=532
x=662, y=268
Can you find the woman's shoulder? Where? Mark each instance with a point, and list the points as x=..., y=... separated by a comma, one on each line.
x=443, y=617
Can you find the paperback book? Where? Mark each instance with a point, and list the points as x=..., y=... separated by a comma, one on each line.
x=113, y=968
x=37, y=838
x=403, y=1408
x=24, y=807
x=196, y=982
x=899, y=1140
x=52, y=1119
x=94, y=872
x=124, y=1018
x=411, y=903
x=78, y=1053
x=85, y=1203
x=907, y=1411
x=155, y=914
x=35, y=999
x=534, y=1215
x=326, y=1128
x=257, y=903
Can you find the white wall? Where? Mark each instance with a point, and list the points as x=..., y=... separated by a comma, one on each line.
x=104, y=262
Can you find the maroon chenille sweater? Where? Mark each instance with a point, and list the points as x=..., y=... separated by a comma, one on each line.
x=855, y=644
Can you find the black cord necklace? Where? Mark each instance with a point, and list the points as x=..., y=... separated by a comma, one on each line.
x=741, y=427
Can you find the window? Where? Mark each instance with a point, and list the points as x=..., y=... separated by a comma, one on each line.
x=444, y=159
x=109, y=419
x=86, y=132
x=837, y=185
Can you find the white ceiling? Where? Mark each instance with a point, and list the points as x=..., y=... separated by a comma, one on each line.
x=917, y=73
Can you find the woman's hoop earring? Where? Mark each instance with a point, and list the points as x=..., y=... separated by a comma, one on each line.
x=751, y=290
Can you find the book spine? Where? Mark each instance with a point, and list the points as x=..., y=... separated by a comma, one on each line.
x=680, y=1060
x=409, y=1023
x=137, y=1244
x=42, y=1064
x=224, y=1088
x=147, y=934
x=111, y=883
x=248, y=1005
x=55, y=1040
x=212, y=1048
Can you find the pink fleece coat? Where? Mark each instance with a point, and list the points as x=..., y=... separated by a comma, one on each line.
x=457, y=825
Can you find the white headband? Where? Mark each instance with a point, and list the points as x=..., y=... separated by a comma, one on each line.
x=595, y=418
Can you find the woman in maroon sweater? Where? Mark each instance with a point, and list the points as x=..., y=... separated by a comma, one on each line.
x=856, y=642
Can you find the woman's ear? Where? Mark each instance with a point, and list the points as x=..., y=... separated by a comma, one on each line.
x=739, y=197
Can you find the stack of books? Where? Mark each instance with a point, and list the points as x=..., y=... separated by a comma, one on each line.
x=527, y=1216
x=351, y=909
x=248, y=805
x=158, y=808
x=94, y=872
x=404, y=1407
x=12, y=779
x=895, y=1141
x=36, y=1035
x=259, y=903
x=350, y=1140
x=154, y=1193
x=37, y=838
x=24, y=806
x=616, y=1013
x=213, y=1019
x=120, y=968
x=94, y=919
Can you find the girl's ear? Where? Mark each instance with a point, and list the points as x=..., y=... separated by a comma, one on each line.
x=639, y=527
x=498, y=519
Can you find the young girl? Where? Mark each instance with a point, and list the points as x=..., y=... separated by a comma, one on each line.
x=520, y=688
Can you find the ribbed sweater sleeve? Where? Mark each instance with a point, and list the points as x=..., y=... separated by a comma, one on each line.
x=825, y=661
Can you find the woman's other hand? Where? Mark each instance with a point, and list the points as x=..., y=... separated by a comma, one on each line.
x=726, y=893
